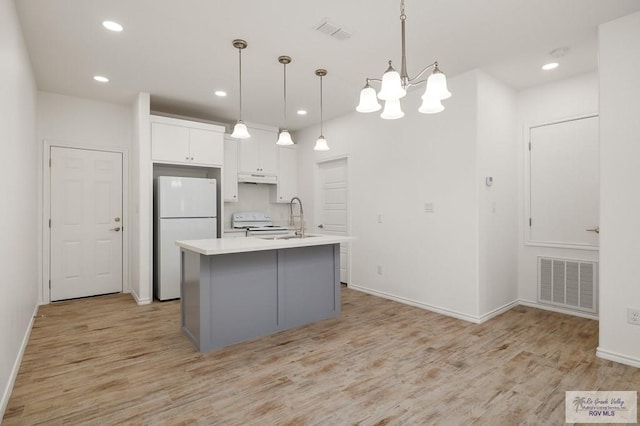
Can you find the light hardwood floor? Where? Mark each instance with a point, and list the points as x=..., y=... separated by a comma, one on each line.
x=108, y=361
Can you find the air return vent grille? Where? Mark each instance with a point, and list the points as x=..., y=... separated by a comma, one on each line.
x=333, y=30
x=568, y=283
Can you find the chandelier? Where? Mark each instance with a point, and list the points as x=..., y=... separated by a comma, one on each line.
x=394, y=85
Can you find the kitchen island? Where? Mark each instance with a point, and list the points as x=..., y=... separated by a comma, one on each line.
x=236, y=289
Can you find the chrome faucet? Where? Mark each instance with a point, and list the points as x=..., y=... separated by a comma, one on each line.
x=301, y=216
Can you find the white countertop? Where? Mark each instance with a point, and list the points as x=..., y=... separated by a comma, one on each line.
x=215, y=246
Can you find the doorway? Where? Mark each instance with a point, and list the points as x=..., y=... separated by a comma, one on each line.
x=86, y=222
x=333, y=206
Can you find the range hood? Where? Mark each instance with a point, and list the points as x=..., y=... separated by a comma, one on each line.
x=257, y=178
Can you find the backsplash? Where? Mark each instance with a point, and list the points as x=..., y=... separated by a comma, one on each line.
x=252, y=197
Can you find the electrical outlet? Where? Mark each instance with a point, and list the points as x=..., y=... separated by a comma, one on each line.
x=633, y=316
x=379, y=269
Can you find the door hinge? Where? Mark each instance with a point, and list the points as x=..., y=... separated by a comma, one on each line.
x=529, y=145
x=49, y=223
x=530, y=221
x=49, y=284
x=49, y=162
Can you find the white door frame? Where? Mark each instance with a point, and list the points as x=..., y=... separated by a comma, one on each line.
x=317, y=200
x=45, y=294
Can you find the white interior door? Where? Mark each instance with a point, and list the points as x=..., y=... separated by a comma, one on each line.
x=564, y=191
x=334, y=207
x=86, y=223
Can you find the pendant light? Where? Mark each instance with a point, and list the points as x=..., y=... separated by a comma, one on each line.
x=284, y=138
x=394, y=85
x=321, y=143
x=240, y=129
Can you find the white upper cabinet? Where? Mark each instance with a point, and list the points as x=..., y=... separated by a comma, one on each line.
x=259, y=153
x=230, y=171
x=186, y=142
x=287, y=187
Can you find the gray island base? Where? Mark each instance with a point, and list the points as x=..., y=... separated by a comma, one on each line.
x=230, y=296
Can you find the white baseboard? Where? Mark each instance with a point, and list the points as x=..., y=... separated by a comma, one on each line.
x=16, y=365
x=436, y=309
x=616, y=357
x=139, y=300
x=498, y=311
x=537, y=305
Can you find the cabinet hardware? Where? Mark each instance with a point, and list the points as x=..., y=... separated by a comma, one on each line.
x=596, y=230
x=117, y=229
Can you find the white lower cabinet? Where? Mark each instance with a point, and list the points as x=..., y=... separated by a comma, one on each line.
x=179, y=141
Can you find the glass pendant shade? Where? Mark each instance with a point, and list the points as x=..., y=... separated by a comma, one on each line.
x=368, y=100
x=391, y=87
x=437, y=86
x=240, y=131
x=284, y=138
x=321, y=144
x=392, y=110
x=430, y=105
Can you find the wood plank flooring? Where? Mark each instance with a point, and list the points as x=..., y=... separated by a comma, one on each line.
x=107, y=361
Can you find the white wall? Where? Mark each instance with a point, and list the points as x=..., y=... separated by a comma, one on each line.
x=18, y=214
x=568, y=98
x=395, y=167
x=253, y=197
x=83, y=123
x=619, y=44
x=497, y=206
x=141, y=202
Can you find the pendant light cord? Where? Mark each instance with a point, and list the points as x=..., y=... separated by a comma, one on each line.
x=321, y=119
x=240, y=80
x=285, y=95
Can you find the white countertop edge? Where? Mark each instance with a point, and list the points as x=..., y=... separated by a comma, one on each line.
x=215, y=246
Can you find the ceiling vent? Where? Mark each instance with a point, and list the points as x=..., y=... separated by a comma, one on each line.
x=331, y=29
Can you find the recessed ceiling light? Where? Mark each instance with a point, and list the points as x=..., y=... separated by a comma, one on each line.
x=302, y=112
x=101, y=78
x=112, y=26
x=220, y=93
x=550, y=66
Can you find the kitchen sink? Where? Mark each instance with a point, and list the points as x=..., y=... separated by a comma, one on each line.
x=286, y=237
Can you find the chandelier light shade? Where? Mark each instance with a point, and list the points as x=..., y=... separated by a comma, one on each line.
x=240, y=130
x=391, y=87
x=368, y=100
x=392, y=110
x=321, y=143
x=284, y=138
x=394, y=85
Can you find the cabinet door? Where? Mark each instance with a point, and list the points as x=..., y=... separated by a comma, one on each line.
x=287, y=174
x=169, y=143
x=206, y=147
x=249, y=155
x=268, y=152
x=230, y=170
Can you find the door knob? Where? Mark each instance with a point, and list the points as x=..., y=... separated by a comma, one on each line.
x=321, y=226
x=596, y=230
x=117, y=229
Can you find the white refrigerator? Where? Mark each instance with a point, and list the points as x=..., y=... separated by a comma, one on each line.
x=184, y=209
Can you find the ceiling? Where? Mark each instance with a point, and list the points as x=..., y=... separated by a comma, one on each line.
x=181, y=51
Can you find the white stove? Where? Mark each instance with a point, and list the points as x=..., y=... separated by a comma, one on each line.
x=257, y=223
